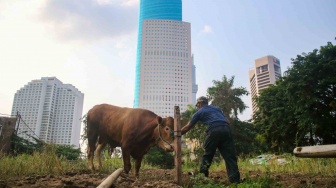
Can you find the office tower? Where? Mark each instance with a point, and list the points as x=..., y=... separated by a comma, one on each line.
x=265, y=72
x=50, y=110
x=165, y=73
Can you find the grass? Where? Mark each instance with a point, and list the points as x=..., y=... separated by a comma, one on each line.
x=293, y=165
x=47, y=163
x=39, y=163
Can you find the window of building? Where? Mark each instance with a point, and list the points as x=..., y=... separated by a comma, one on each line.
x=262, y=69
x=276, y=68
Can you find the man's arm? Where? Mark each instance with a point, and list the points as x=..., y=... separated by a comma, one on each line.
x=186, y=128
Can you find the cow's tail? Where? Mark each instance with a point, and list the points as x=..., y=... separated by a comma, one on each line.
x=92, y=135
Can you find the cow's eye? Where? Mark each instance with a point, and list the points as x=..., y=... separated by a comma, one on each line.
x=167, y=129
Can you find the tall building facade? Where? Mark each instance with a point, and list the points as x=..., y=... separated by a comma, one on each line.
x=50, y=110
x=265, y=72
x=165, y=72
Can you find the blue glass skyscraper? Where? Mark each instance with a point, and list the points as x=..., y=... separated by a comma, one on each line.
x=163, y=53
x=160, y=9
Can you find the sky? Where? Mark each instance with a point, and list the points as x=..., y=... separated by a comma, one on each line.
x=91, y=44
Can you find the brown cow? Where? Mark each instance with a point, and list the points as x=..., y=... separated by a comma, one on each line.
x=134, y=130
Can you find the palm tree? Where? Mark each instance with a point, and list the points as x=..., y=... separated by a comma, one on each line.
x=227, y=98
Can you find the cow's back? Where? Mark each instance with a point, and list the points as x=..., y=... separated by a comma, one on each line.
x=112, y=123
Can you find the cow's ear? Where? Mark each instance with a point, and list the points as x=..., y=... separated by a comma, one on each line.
x=159, y=119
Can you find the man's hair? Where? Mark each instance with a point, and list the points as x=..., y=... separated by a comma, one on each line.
x=202, y=100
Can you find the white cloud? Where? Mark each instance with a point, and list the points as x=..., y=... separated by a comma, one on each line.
x=131, y=2
x=88, y=20
x=100, y=83
x=118, y=2
x=89, y=45
x=105, y=2
x=206, y=29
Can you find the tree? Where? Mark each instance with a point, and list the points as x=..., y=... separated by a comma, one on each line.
x=300, y=109
x=197, y=134
x=244, y=134
x=83, y=136
x=275, y=119
x=227, y=98
x=311, y=89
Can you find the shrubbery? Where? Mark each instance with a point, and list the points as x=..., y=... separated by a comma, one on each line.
x=24, y=146
x=158, y=157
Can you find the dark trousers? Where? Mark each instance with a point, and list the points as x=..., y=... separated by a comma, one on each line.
x=221, y=138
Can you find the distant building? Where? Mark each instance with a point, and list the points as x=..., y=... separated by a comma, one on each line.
x=265, y=72
x=50, y=110
x=165, y=71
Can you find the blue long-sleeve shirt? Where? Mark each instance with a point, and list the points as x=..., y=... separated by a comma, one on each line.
x=211, y=116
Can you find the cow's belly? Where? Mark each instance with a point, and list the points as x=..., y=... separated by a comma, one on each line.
x=114, y=144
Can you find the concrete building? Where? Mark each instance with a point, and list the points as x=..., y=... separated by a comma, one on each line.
x=265, y=72
x=50, y=110
x=165, y=72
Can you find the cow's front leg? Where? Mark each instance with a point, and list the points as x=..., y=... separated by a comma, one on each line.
x=137, y=166
x=127, y=160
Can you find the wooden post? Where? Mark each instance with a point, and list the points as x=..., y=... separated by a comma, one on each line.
x=110, y=179
x=8, y=128
x=177, y=145
x=319, y=151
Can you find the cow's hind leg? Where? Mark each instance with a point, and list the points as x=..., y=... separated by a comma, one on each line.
x=90, y=156
x=92, y=140
x=99, y=149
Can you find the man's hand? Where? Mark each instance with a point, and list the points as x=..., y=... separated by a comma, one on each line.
x=186, y=128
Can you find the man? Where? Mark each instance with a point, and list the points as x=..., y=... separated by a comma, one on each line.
x=218, y=135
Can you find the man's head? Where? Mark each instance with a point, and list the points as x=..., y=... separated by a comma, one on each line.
x=201, y=101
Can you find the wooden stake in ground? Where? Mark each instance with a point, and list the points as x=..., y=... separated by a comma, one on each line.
x=177, y=145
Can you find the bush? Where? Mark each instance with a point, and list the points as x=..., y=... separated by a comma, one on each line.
x=67, y=152
x=157, y=157
x=24, y=146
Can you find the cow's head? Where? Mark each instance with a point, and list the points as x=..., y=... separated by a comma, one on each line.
x=165, y=133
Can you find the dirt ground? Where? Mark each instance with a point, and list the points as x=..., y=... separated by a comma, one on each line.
x=152, y=178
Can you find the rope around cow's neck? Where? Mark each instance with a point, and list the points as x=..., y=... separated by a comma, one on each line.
x=156, y=141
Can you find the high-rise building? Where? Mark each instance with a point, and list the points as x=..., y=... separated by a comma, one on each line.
x=265, y=72
x=50, y=110
x=165, y=72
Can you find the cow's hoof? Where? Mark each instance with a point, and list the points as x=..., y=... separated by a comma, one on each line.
x=126, y=177
x=133, y=184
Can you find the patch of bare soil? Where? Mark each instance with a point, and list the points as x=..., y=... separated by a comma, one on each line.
x=152, y=178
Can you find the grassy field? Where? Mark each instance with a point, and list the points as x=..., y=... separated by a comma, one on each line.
x=47, y=163
x=286, y=164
